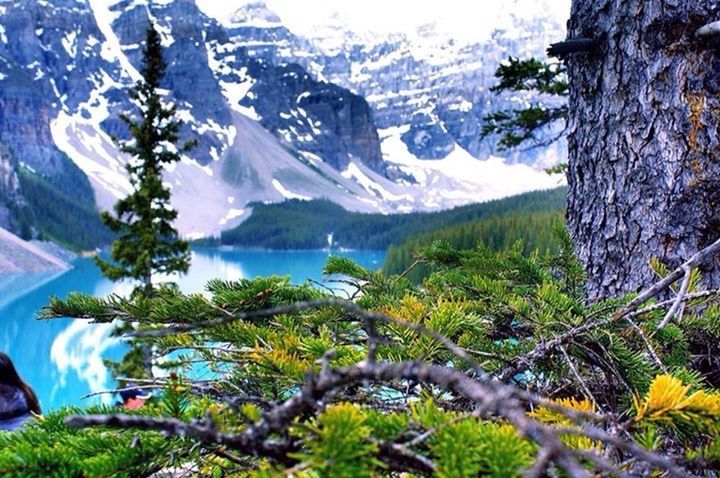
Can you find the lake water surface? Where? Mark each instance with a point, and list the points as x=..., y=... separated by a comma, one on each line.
x=63, y=359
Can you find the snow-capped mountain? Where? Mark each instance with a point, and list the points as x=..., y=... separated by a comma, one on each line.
x=425, y=86
x=389, y=124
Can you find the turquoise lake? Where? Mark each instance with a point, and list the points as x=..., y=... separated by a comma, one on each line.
x=63, y=359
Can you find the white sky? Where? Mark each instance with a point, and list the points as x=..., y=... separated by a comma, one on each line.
x=473, y=18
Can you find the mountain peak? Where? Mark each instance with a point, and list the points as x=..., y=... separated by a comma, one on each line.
x=238, y=13
x=255, y=13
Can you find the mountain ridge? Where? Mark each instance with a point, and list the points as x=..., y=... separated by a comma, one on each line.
x=268, y=130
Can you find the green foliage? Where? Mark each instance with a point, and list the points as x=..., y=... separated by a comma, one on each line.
x=529, y=124
x=306, y=224
x=50, y=448
x=499, y=232
x=66, y=217
x=133, y=363
x=78, y=304
x=59, y=207
x=339, y=445
x=147, y=242
x=337, y=265
x=498, y=308
x=487, y=449
x=531, y=75
x=176, y=399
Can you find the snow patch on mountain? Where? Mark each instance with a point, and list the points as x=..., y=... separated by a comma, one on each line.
x=78, y=135
x=354, y=172
x=111, y=49
x=288, y=194
x=461, y=178
x=277, y=115
x=231, y=214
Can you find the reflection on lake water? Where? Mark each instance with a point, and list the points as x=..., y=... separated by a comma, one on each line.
x=63, y=359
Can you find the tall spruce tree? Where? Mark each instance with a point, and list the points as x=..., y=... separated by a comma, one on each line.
x=147, y=242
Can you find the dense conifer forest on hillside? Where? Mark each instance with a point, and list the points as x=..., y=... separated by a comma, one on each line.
x=298, y=224
x=533, y=232
x=61, y=215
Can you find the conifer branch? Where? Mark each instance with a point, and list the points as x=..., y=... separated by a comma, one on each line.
x=334, y=325
x=545, y=349
x=493, y=398
x=172, y=426
x=366, y=316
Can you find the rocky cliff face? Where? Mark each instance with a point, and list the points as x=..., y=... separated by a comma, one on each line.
x=10, y=196
x=276, y=115
x=50, y=57
x=427, y=87
x=314, y=118
x=189, y=80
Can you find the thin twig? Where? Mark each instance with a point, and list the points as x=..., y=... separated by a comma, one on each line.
x=409, y=269
x=678, y=305
x=577, y=375
x=545, y=349
x=653, y=355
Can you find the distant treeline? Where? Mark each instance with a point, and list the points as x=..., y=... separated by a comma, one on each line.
x=306, y=224
x=499, y=233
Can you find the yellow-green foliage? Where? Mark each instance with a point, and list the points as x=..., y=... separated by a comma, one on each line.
x=465, y=446
x=656, y=386
x=669, y=403
x=469, y=447
x=338, y=444
x=554, y=417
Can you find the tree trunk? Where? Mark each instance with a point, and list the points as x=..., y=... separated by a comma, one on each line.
x=644, y=165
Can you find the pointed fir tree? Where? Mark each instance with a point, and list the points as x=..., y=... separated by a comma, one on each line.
x=147, y=243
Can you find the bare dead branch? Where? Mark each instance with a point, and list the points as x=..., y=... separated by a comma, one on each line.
x=696, y=260
x=679, y=303
x=707, y=294
x=494, y=397
x=574, y=45
x=709, y=31
x=201, y=432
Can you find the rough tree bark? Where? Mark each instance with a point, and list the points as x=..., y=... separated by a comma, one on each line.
x=644, y=165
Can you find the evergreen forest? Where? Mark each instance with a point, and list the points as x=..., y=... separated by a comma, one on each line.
x=298, y=224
